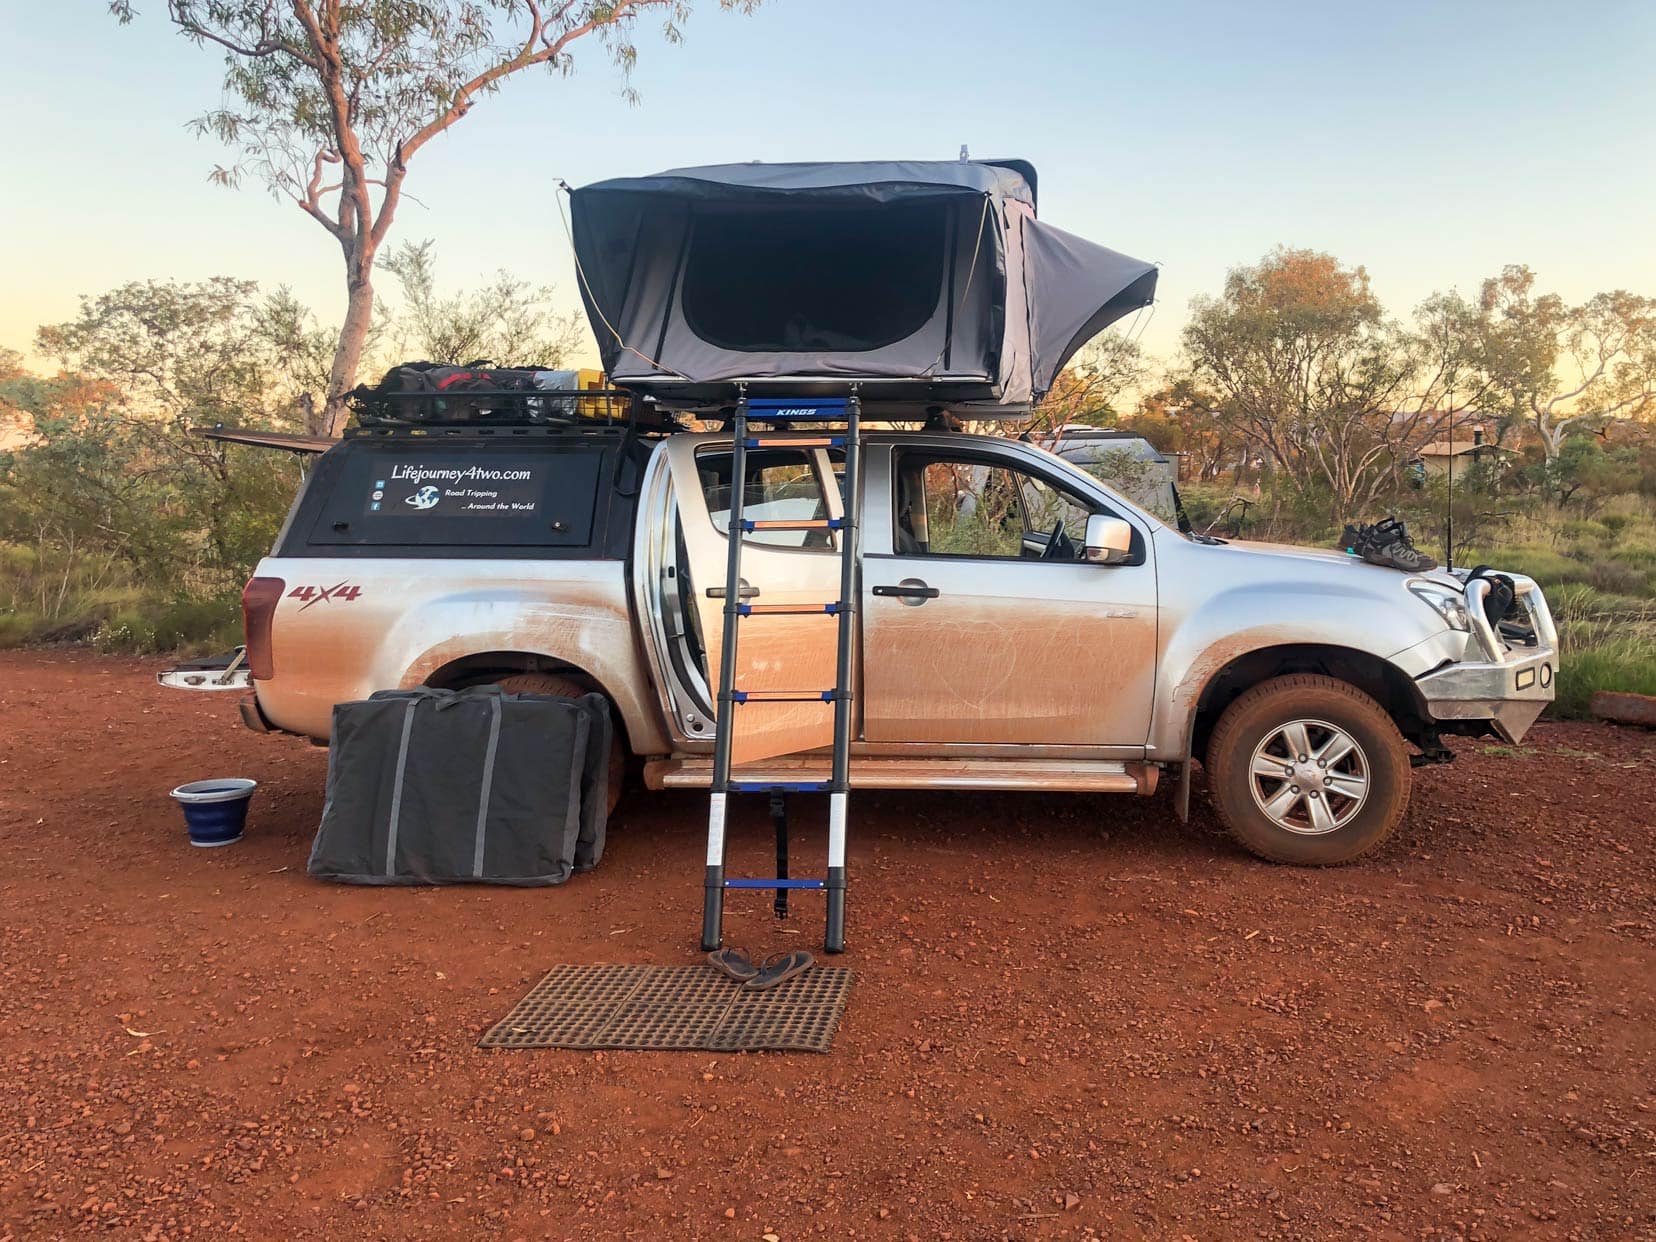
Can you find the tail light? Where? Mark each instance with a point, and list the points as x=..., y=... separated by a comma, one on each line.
x=259, y=599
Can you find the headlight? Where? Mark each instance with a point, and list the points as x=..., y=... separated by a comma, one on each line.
x=1447, y=602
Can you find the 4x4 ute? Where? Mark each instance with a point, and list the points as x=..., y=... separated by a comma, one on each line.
x=1019, y=624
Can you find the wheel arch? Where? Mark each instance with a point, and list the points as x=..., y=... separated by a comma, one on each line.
x=481, y=668
x=1376, y=677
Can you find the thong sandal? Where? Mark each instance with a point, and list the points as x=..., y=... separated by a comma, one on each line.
x=779, y=969
x=734, y=963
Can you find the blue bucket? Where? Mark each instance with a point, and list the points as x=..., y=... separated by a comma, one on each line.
x=215, y=811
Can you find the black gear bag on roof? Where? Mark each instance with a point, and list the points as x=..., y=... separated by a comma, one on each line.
x=470, y=786
x=478, y=392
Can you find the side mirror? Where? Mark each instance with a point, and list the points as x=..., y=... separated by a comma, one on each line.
x=1109, y=540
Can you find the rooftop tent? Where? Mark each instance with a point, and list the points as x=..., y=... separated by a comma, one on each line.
x=930, y=281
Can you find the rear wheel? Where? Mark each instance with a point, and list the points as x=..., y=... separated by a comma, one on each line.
x=1308, y=770
x=564, y=687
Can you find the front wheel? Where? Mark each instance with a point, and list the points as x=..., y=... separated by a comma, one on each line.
x=1308, y=770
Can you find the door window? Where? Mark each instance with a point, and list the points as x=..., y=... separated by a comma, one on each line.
x=979, y=509
x=781, y=485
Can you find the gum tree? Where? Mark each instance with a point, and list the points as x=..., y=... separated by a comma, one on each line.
x=329, y=101
x=1304, y=366
x=508, y=318
x=1557, y=364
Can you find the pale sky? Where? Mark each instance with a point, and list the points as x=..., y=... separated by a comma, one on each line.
x=1431, y=142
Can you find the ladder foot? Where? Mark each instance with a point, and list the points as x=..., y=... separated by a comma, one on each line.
x=713, y=910
x=833, y=941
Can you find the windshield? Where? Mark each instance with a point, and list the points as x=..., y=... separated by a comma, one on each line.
x=1134, y=470
x=1117, y=495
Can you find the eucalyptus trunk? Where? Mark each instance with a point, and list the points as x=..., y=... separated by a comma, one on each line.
x=353, y=333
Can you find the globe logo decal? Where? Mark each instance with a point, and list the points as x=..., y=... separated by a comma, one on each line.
x=426, y=498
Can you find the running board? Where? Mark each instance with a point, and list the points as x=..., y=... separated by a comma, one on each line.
x=1069, y=775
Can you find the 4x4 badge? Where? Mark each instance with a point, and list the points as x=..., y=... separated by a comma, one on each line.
x=346, y=590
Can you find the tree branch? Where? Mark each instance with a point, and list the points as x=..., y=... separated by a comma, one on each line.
x=268, y=45
x=622, y=11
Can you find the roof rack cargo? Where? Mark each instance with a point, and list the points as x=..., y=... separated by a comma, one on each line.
x=475, y=408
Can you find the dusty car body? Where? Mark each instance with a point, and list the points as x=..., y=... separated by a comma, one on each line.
x=997, y=648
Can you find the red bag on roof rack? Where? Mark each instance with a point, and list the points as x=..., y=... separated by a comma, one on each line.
x=415, y=393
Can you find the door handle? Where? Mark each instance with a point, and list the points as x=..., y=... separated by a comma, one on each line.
x=742, y=592
x=912, y=591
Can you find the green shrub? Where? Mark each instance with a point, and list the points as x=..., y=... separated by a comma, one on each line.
x=1576, y=602
x=1584, y=529
x=1616, y=578
x=1636, y=549
x=17, y=560
x=190, y=622
x=16, y=628
x=157, y=625
x=127, y=632
x=1546, y=565
x=1626, y=664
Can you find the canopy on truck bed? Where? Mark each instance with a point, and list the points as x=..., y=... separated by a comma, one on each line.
x=926, y=281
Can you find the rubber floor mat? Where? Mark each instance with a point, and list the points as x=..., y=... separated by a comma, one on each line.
x=674, y=1009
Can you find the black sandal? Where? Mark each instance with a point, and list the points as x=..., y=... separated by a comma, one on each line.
x=779, y=968
x=733, y=963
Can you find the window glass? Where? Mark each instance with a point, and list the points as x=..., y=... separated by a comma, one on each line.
x=780, y=486
x=967, y=508
x=846, y=278
x=402, y=494
x=1047, y=506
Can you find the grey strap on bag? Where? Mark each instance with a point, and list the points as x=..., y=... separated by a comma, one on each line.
x=397, y=789
x=488, y=781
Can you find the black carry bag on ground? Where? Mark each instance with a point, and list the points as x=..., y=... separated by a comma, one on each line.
x=469, y=786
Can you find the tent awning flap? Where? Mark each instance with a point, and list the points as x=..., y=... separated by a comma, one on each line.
x=1076, y=290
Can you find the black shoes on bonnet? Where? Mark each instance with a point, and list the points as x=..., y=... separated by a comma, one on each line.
x=1386, y=543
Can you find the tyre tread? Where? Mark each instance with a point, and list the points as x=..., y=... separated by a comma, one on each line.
x=1265, y=839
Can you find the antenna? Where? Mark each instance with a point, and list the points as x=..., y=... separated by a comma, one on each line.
x=1449, y=517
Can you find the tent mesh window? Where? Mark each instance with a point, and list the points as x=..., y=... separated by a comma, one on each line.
x=842, y=279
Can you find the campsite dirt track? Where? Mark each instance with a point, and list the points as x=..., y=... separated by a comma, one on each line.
x=1072, y=1015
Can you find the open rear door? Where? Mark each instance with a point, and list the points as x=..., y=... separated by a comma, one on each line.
x=776, y=651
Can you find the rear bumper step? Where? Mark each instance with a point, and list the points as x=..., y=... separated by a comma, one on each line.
x=225, y=672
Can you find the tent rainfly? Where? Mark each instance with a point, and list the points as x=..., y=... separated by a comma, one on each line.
x=928, y=281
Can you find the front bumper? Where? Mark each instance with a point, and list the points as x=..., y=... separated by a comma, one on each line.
x=1511, y=685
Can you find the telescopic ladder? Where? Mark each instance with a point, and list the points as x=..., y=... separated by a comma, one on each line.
x=786, y=412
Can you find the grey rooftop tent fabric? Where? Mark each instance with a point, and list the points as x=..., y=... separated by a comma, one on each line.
x=477, y=785
x=922, y=280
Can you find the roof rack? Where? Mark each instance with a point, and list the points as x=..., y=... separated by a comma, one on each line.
x=477, y=409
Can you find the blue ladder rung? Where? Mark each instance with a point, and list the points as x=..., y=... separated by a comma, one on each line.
x=787, y=610
x=786, y=786
x=783, y=696
x=753, y=524
x=758, y=883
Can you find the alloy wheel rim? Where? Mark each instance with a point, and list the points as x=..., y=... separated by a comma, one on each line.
x=1309, y=777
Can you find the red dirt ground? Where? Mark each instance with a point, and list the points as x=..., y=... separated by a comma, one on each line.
x=1073, y=1015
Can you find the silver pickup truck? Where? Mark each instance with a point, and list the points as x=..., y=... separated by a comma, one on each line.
x=1021, y=625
